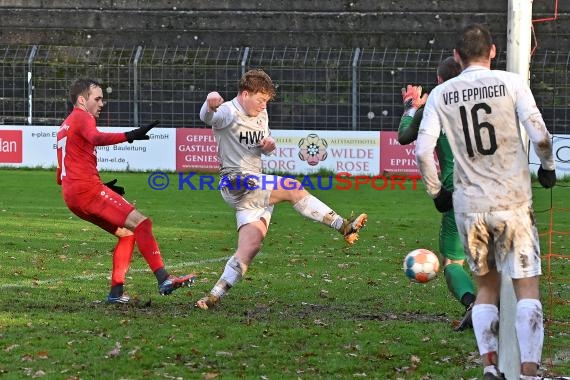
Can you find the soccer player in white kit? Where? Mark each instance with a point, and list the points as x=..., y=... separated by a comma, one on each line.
x=241, y=129
x=480, y=111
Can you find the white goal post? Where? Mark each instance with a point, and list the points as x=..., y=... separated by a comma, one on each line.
x=519, y=28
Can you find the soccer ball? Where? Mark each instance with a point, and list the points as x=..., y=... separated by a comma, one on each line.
x=421, y=265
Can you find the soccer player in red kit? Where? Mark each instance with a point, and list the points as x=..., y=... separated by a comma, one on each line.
x=102, y=203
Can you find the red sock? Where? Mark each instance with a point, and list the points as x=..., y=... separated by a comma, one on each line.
x=147, y=245
x=122, y=259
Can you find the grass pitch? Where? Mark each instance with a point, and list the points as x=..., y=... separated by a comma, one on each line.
x=309, y=307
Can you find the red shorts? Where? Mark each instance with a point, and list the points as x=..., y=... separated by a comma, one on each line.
x=98, y=204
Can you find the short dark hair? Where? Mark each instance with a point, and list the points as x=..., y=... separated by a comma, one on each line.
x=255, y=81
x=448, y=68
x=81, y=87
x=474, y=42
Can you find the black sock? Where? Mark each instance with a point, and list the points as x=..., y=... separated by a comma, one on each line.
x=116, y=290
x=161, y=275
x=467, y=299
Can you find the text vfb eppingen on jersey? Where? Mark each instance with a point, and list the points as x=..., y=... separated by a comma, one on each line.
x=340, y=181
x=474, y=94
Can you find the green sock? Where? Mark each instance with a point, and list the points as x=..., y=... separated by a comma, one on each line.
x=458, y=281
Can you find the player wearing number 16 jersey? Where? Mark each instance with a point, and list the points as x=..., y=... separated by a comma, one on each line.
x=480, y=111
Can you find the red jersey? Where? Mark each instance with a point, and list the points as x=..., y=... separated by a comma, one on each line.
x=77, y=139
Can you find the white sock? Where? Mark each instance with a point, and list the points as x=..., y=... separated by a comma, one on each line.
x=530, y=329
x=311, y=207
x=485, y=326
x=525, y=377
x=233, y=272
x=490, y=369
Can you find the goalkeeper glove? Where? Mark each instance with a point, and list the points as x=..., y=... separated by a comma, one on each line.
x=413, y=99
x=141, y=132
x=117, y=189
x=444, y=200
x=547, y=178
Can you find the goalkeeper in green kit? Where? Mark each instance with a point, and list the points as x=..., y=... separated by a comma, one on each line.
x=458, y=280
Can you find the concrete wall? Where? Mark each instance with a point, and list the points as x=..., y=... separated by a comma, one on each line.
x=327, y=23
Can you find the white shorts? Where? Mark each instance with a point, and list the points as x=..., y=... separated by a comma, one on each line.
x=252, y=205
x=507, y=240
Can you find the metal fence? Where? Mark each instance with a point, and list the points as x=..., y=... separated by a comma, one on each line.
x=317, y=89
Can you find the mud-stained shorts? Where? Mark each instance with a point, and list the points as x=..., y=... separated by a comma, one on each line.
x=252, y=205
x=507, y=240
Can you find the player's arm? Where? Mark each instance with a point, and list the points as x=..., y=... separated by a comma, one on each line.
x=409, y=127
x=98, y=138
x=267, y=145
x=58, y=168
x=211, y=113
x=541, y=140
x=58, y=175
x=412, y=100
x=442, y=197
x=90, y=133
x=430, y=128
x=428, y=134
x=534, y=125
x=61, y=141
x=542, y=143
x=425, y=146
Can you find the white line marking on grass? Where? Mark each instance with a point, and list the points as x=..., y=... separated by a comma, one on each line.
x=90, y=277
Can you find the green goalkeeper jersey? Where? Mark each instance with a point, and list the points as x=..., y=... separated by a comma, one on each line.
x=408, y=133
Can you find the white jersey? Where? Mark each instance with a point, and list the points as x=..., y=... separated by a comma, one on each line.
x=238, y=136
x=479, y=111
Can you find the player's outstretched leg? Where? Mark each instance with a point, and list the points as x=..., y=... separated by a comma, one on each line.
x=172, y=283
x=233, y=272
x=313, y=208
x=351, y=227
